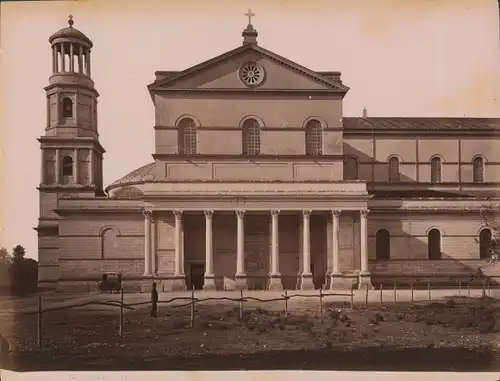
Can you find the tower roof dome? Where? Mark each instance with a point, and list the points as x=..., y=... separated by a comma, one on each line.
x=70, y=32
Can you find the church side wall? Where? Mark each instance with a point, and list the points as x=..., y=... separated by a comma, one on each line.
x=409, y=244
x=415, y=154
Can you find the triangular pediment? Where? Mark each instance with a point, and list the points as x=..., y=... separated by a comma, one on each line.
x=224, y=73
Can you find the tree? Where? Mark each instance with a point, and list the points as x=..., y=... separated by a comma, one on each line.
x=18, y=253
x=490, y=220
x=5, y=256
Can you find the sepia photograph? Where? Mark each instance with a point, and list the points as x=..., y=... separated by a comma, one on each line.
x=250, y=185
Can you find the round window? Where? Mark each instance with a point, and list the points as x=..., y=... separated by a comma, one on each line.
x=252, y=74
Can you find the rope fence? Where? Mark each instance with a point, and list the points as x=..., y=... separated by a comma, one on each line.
x=192, y=301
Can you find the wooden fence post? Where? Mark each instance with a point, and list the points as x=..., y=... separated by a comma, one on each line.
x=468, y=289
x=489, y=290
x=395, y=293
x=192, y=309
x=381, y=292
x=121, y=312
x=241, y=305
x=411, y=287
x=459, y=287
x=39, y=333
x=352, y=298
x=429, y=289
x=320, y=301
x=286, y=305
x=366, y=295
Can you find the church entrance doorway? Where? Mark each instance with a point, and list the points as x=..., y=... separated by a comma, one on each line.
x=196, y=275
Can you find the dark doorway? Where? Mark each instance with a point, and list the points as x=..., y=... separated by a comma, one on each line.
x=485, y=244
x=197, y=275
x=383, y=245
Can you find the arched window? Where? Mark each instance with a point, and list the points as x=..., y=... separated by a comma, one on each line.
x=394, y=175
x=109, y=243
x=434, y=244
x=67, y=107
x=187, y=136
x=351, y=168
x=314, y=138
x=485, y=244
x=382, y=245
x=435, y=170
x=478, y=169
x=251, y=137
x=67, y=166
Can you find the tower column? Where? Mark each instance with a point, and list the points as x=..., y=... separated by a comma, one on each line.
x=80, y=54
x=71, y=58
x=58, y=167
x=91, y=166
x=76, y=178
x=42, y=167
x=153, y=244
x=63, y=59
x=54, y=59
x=209, y=283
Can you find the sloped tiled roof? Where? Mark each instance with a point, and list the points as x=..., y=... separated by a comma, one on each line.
x=422, y=124
x=409, y=194
x=140, y=174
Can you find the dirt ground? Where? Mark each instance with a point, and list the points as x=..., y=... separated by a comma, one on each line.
x=465, y=328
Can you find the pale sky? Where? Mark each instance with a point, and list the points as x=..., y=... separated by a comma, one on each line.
x=399, y=57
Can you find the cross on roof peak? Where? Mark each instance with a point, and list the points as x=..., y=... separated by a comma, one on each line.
x=249, y=14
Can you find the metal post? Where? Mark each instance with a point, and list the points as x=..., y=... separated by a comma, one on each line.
x=121, y=312
x=39, y=336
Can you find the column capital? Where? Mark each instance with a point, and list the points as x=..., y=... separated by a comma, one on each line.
x=336, y=213
x=148, y=214
x=177, y=214
x=208, y=213
x=240, y=213
x=364, y=213
x=306, y=213
x=275, y=212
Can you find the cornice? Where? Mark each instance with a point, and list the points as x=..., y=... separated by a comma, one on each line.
x=413, y=133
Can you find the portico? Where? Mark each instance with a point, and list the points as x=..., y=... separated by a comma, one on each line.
x=252, y=240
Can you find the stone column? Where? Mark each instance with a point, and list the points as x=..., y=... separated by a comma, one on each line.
x=76, y=179
x=147, y=243
x=91, y=166
x=336, y=276
x=63, y=58
x=307, y=281
x=71, y=58
x=87, y=61
x=80, y=54
x=240, y=278
x=364, y=274
x=209, y=283
x=42, y=166
x=275, y=276
x=54, y=59
x=58, y=167
x=154, y=268
x=179, y=282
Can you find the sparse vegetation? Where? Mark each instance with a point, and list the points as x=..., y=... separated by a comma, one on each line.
x=73, y=335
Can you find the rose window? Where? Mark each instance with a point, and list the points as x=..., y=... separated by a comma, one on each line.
x=252, y=74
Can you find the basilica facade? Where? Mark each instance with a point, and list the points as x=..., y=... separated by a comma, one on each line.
x=258, y=181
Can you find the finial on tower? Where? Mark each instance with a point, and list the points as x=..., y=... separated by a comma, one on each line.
x=249, y=34
x=70, y=21
x=365, y=112
x=250, y=14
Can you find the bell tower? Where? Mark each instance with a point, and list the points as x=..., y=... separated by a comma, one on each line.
x=71, y=155
x=71, y=152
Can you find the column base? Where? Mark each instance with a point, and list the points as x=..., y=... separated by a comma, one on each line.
x=365, y=281
x=209, y=283
x=179, y=283
x=275, y=282
x=306, y=282
x=240, y=282
x=339, y=282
